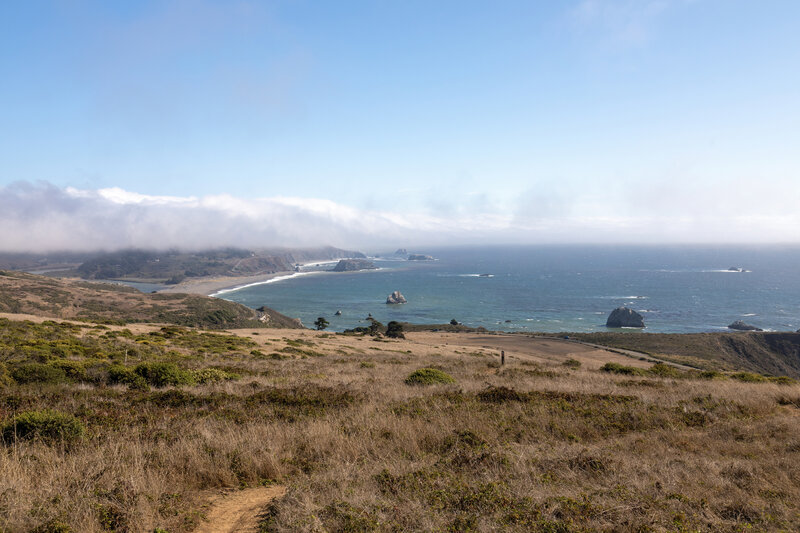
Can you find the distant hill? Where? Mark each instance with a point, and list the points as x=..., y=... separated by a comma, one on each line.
x=105, y=302
x=174, y=266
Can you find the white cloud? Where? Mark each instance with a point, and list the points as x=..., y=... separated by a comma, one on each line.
x=42, y=217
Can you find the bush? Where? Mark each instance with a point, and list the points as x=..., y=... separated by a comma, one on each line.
x=428, y=376
x=126, y=376
x=5, y=377
x=572, y=363
x=664, y=371
x=748, y=377
x=212, y=375
x=163, y=374
x=616, y=368
x=46, y=425
x=38, y=373
x=394, y=330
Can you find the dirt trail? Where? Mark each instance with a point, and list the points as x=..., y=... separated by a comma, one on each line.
x=237, y=511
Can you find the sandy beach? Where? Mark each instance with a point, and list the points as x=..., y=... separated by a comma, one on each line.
x=210, y=286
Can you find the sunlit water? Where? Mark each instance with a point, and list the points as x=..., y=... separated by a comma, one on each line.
x=552, y=289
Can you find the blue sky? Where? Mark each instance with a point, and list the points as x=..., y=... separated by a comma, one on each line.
x=584, y=120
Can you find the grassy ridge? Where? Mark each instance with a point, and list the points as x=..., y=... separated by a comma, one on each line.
x=770, y=353
x=110, y=303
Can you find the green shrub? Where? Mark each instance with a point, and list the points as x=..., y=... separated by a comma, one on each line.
x=212, y=375
x=664, y=370
x=616, y=368
x=394, y=330
x=572, y=363
x=748, y=377
x=38, y=373
x=5, y=376
x=125, y=375
x=163, y=374
x=47, y=425
x=428, y=376
x=74, y=370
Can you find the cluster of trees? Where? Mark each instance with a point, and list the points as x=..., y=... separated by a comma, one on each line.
x=392, y=330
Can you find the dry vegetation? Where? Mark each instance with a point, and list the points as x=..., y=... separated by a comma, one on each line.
x=552, y=441
x=118, y=304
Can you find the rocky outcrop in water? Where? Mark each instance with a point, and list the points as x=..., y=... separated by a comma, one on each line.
x=420, y=257
x=351, y=265
x=396, y=298
x=623, y=317
x=742, y=326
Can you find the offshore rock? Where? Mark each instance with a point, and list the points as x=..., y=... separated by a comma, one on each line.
x=741, y=326
x=396, y=298
x=420, y=257
x=623, y=317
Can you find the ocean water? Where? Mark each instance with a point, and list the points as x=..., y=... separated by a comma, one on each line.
x=554, y=288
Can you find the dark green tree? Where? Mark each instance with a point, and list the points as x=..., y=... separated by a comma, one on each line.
x=394, y=330
x=320, y=323
x=375, y=327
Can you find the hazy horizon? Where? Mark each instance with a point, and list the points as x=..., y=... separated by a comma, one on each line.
x=177, y=124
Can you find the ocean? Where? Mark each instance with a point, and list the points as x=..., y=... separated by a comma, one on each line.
x=678, y=289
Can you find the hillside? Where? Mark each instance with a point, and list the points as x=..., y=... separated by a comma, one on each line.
x=766, y=352
x=145, y=428
x=105, y=302
x=175, y=266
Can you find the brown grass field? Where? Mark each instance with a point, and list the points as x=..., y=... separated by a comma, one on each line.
x=548, y=442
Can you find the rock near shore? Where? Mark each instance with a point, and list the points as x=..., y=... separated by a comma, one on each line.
x=396, y=298
x=623, y=317
x=742, y=326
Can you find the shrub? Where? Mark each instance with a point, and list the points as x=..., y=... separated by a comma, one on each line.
x=5, y=377
x=38, y=373
x=163, y=374
x=664, y=370
x=428, y=376
x=616, y=368
x=46, y=425
x=748, y=377
x=126, y=376
x=212, y=375
x=500, y=395
x=394, y=330
x=572, y=363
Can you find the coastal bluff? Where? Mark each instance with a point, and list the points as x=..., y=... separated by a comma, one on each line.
x=352, y=265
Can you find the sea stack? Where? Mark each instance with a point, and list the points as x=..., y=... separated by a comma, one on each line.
x=623, y=317
x=741, y=326
x=396, y=298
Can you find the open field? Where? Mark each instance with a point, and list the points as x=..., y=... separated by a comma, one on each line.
x=141, y=427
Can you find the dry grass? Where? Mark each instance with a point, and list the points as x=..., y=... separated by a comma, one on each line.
x=535, y=445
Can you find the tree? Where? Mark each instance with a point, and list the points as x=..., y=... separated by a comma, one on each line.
x=375, y=327
x=320, y=323
x=394, y=330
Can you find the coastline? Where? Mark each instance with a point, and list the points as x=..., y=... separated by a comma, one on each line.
x=211, y=286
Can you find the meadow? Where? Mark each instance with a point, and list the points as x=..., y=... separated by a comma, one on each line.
x=139, y=427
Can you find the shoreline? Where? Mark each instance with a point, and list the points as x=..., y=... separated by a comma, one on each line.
x=213, y=286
